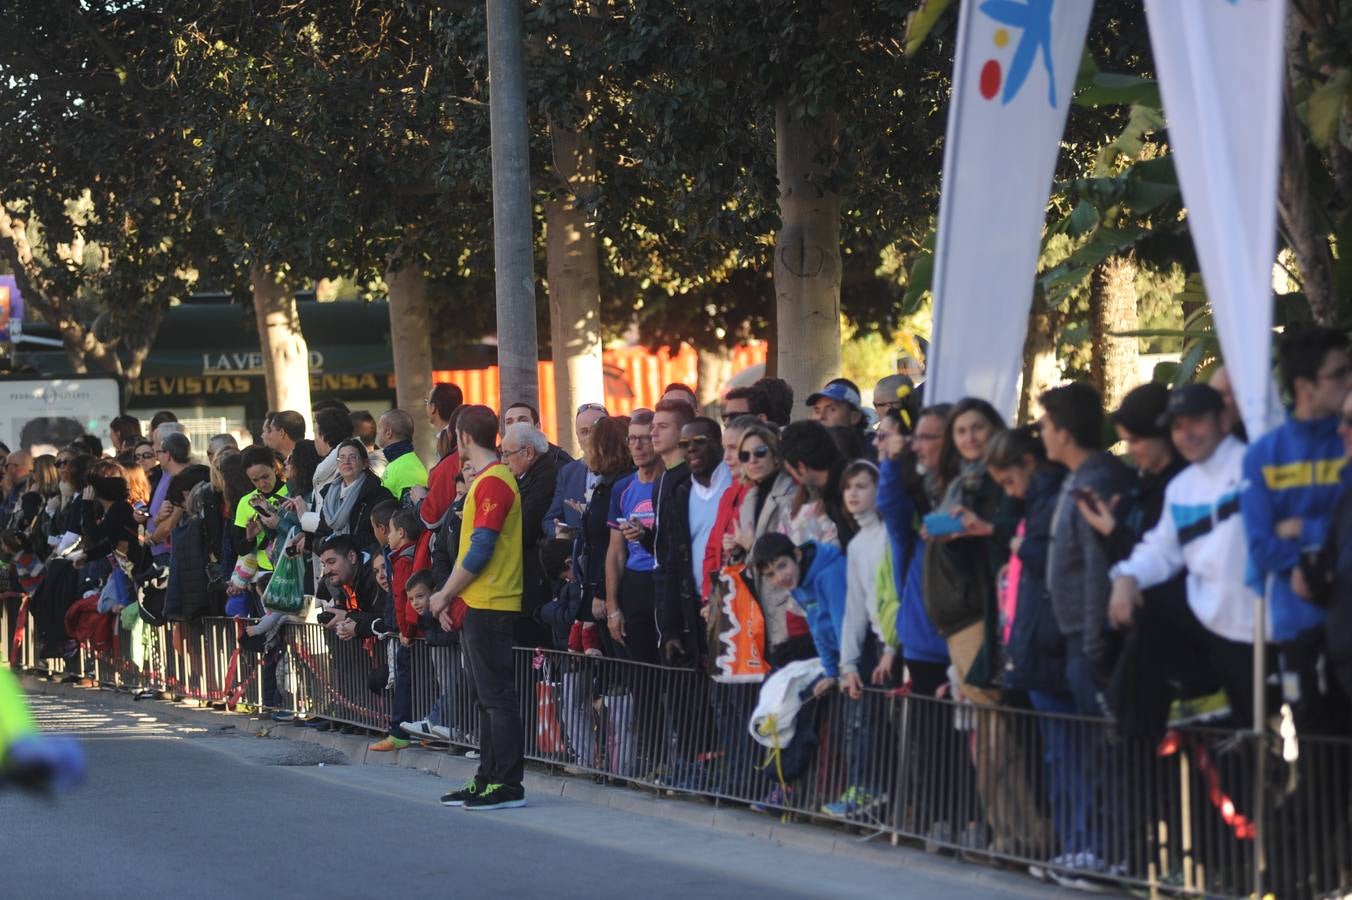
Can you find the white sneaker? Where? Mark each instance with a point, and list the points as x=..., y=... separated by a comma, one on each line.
x=421, y=729
x=471, y=754
x=440, y=733
x=1082, y=869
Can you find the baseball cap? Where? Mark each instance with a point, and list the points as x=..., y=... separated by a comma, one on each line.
x=838, y=392
x=1192, y=400
x=892, y=388
x=1143, y=410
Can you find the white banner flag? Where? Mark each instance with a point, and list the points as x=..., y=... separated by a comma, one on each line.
x=1220, y=73
x=1012, y=83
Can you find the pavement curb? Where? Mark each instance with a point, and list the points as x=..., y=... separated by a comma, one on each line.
x=542, y=780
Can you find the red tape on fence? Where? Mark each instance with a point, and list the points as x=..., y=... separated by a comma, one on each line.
x=308, y=661
x=20, y=627
x=1244, y=829
x=232, y=698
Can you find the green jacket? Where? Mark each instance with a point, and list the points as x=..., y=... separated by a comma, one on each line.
x=402, y=472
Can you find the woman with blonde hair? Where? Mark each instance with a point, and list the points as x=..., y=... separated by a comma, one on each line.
x=768, y=508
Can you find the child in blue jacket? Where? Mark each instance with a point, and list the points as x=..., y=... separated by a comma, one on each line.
x=815, y=574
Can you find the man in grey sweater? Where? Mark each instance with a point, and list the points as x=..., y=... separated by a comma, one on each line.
x=1077, y=567
x=1077, y=580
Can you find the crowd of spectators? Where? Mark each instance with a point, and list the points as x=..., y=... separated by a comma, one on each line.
x=932, y=546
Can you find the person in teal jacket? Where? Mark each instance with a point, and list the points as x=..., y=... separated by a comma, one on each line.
x=1292, y=482
x=815, y=574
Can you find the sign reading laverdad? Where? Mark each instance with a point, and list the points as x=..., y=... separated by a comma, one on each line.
x=1012, y=82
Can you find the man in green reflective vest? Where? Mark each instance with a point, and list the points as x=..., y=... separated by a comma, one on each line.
x=403, y=469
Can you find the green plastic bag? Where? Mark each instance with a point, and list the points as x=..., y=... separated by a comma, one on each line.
x=286, y=589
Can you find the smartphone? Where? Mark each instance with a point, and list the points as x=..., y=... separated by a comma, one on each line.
x=612, y=524
x=635, y=521
x=1087, y=497
x=140, y=507
x=940, y=524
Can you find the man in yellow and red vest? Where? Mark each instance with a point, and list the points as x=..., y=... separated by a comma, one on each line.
x=485, y=588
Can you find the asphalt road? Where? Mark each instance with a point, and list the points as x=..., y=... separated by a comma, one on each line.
x=174, y=811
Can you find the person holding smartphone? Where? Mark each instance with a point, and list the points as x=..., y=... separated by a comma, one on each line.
x=630, y=596
x=960, y=577
x=256, y=508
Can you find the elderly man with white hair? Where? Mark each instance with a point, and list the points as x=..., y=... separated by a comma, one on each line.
x=525, y=450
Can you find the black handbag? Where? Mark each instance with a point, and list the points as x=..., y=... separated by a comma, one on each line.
x=152, y=583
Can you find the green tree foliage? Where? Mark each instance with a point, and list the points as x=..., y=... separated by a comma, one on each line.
x=96, y=222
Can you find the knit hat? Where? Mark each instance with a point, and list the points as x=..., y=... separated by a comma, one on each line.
x=1142, y=411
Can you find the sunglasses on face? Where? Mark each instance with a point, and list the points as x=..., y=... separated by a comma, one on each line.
x=701, y=441
x=759, y=453
x=149, y=454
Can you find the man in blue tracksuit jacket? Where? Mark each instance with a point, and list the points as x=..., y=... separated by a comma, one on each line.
x=1292, y=481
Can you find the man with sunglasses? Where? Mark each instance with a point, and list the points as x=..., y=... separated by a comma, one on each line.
x=1292, y=484
x=693, y=508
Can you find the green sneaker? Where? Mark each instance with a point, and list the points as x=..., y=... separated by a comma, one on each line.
x=497, y=796
x=470, y=788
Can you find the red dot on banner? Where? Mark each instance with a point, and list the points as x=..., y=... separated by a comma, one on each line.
x=990, y=79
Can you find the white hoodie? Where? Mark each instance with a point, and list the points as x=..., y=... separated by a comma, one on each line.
x=1201, y=529
x=862, y=562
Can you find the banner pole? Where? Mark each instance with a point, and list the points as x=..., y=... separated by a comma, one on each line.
x=1259, y=728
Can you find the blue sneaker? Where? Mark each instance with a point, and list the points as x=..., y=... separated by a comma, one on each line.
x=855, y=801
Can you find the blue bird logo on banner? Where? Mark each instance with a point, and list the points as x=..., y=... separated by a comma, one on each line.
x=1033, y=18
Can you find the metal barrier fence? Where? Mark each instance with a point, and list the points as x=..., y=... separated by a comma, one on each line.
x=1057, y=793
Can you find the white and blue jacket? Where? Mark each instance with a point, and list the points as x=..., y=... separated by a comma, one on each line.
x=1202, y=530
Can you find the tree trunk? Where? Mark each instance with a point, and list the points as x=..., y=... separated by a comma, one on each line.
x=715, y=368
x=513, y=231
x=286, y=358
x=573, y=263
x=1112, y=308
x=1040, y=368
x=411, y=341
x=1298, y=212
x=807, y=256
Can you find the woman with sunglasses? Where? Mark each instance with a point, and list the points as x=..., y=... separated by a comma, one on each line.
x=73, y=471
x=720, y=549
x=143, y=454
x=768, y=508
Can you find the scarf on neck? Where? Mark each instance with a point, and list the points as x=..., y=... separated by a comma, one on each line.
x=965, y=486
x=339, y=504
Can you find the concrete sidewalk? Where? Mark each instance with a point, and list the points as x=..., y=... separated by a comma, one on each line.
x=541, y=782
